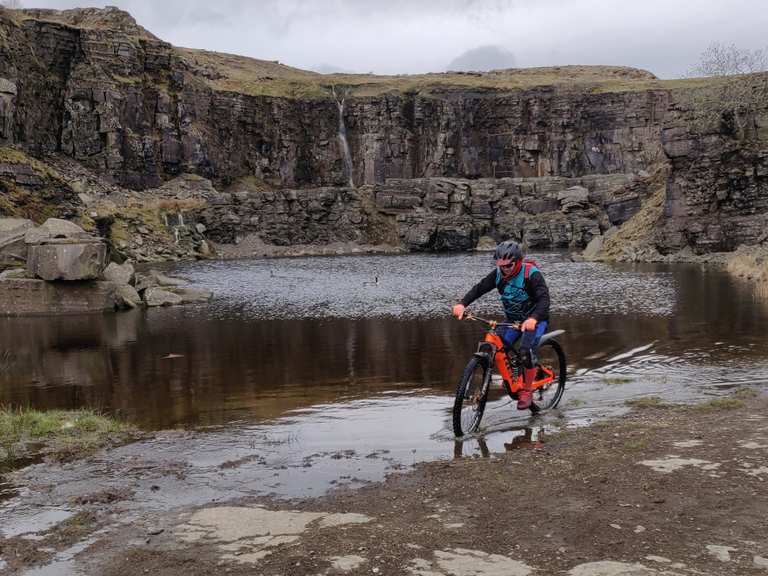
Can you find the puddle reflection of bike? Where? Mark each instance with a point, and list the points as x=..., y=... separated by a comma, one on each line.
x=472, y=392
x=525, y=438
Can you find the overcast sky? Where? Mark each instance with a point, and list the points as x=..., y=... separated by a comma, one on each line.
x=413, y=36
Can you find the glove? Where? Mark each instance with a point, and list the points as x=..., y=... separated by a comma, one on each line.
x=458, y=310
x=529, y=325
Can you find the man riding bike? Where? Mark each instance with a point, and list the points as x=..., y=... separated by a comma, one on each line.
x=525, y=298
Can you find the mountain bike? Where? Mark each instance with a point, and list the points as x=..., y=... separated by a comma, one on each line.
x=472, y=392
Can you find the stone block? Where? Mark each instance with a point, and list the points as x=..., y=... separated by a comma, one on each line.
x=21, y=297
x=119, y=273
x=67, y=260
x=56, y=229
x=127, y=297
x=159, y=297
x=192, y=295
x=13, y=248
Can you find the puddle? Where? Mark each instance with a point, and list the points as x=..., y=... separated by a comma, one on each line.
x=22, y=520
x=63, y=563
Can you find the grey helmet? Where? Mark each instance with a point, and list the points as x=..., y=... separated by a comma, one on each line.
x=508, y=250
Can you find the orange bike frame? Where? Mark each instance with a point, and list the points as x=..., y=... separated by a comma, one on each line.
x=514, y=385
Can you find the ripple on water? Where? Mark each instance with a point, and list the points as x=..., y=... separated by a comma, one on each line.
x=414, y=285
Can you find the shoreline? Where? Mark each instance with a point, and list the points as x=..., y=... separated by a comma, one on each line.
x=617, y=495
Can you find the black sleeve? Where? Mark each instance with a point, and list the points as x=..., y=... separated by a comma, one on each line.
x=483, y=287
x=539, y=293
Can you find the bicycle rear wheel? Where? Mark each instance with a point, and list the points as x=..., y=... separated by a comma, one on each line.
x=551, y=357
x=471, y=396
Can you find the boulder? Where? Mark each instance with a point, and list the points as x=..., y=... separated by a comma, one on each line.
x=485, y=244
x=192, y=295
x=13, y=273
x=143, y=281
x=24, y=296
x=156, y=296
x=127, y=297
x=66, y=260
x=163, y=280
x=120, y=274
x=573, y=198
x=55, y=229
x=13, y=248
x=594, y=248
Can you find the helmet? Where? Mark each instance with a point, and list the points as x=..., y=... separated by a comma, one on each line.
x=508, y=250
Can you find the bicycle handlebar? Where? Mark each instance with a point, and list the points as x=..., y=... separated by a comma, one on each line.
x=491, y=323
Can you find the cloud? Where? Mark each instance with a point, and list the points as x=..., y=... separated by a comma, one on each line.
x=414, y=36
x=325, y=68
x=483, y=58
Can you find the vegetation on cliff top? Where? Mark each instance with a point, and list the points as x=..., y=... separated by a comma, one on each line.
x=230, y=72
x=260, y=77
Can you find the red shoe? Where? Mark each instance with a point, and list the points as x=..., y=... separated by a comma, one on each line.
x=524, y=399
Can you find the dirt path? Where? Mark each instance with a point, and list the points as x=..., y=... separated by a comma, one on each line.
x=660, y=492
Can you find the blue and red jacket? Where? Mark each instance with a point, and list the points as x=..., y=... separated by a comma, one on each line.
x=524, y=295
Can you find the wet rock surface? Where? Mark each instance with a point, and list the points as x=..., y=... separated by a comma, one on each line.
x=599, y=512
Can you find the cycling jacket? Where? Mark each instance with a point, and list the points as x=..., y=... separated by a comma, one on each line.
x=523, y=296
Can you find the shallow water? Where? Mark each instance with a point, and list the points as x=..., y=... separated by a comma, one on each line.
x=309, y=373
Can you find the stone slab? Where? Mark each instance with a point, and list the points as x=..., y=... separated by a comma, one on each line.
x=23, y=297
x=66, y=261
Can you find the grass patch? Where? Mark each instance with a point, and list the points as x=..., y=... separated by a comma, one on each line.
x=636, y=444
x=728, y=403
x=647, y=402
x=746, y=393
x=751, y=264
x=63, y=434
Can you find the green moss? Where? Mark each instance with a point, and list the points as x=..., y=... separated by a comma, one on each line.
x=63, y=433
x=647, y=402
x=636, y=444
x=20, y=203
x=727, y=403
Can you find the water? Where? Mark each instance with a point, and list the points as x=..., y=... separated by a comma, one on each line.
x=343, y=142
x=304, y=374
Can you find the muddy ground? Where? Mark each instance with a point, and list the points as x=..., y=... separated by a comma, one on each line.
x=667, y=491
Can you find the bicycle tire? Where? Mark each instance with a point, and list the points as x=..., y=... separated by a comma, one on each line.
x=470, y=402
x=549, y=397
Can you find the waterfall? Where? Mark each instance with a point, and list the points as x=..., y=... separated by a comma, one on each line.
x=345, y=153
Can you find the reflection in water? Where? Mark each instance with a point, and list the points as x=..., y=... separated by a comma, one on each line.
x=233, y=360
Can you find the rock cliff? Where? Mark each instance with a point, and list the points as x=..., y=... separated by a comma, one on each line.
x=556, y=156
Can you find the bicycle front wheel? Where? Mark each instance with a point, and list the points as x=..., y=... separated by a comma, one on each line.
x=552, y=360
x=471, y=396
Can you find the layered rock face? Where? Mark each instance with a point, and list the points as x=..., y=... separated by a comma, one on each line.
x=431, y=214
x=717, y=193
x=131, y=106
x=432, y=169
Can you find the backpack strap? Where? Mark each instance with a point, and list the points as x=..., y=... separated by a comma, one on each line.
x=528, y=264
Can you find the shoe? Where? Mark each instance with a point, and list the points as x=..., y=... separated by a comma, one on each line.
x=524, y=399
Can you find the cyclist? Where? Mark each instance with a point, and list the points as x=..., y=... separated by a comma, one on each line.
x=525, y=298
